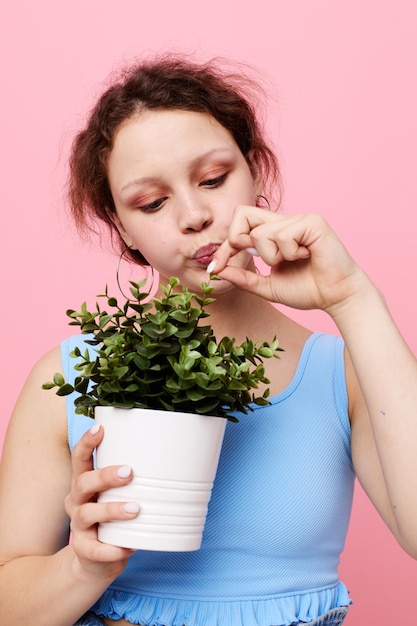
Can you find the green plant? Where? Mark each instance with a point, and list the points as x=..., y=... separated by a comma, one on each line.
x=157, y=355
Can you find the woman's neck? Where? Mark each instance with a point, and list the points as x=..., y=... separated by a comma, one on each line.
x=239, y=314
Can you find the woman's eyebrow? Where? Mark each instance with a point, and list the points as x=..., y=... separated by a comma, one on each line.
x=140, y=181
x=220, y=152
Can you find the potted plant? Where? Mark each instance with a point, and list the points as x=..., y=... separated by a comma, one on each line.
x=158, y=356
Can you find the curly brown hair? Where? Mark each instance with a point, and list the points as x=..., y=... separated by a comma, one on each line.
x=165, y=82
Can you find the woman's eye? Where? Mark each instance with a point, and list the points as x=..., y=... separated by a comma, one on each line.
x=153, y=206
x=214, y=182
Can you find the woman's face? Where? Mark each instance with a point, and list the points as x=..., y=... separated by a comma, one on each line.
x=176, y=177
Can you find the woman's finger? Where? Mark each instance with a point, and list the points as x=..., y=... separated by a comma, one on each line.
x=271, y=236
x=93, y=554
x=276, y=242
x=82, y=453
x=93, y=513
x=87, y=485
x=238, y=238
x=247, y=281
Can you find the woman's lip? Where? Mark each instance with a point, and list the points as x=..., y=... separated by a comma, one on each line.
x=204, y=255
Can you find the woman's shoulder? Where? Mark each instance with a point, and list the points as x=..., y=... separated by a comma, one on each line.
x=43, y=371
x=39, y=409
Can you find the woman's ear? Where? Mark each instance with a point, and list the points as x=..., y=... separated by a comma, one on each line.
x=121, y=229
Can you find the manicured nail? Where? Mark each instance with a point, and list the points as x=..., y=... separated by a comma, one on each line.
x=124, y=471
x=252, y=251
x=94, y=429
x=131, y=507
x=211, y=266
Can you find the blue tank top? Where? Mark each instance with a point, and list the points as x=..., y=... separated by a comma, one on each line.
x=277, y=519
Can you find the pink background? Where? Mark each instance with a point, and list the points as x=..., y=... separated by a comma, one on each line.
x=344, y=120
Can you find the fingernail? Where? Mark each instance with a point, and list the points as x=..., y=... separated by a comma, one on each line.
x=94, y=429
x=124, y=471
x=211, y=266
x=252, y=251
x=131, y=507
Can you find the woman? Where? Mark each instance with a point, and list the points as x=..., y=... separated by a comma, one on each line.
x=174, y=161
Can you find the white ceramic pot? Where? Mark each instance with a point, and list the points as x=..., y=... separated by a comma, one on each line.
x=174, y=457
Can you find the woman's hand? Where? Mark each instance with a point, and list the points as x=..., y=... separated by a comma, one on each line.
x=96, y=559
x=310, y=267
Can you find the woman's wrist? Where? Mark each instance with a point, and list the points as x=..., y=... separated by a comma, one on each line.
x=94, y=575
x=363, y=299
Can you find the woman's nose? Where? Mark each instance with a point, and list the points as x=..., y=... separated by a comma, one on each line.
x=194, y=216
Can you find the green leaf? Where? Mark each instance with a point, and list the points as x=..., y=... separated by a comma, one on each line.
x=195, y=395
x=261, y=401
x=179, y=316
x=131, y=388
x=48, y=385
x=266, y=352
x=236, y=385
x=65, y=390
x=81, y=385
x=121, y=371
x=58, y=379
x=104, y=320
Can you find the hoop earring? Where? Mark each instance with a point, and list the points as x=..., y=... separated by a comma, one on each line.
x=268, y=206
x=152, y=273
x=119, y=261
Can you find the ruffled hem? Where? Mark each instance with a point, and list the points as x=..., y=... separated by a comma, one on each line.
x=280, y=610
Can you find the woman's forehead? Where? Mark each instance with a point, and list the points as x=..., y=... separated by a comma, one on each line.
x=157, y=138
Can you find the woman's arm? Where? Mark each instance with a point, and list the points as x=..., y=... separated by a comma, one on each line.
x=384, y=410
x=310, y=268
x=42, y=578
